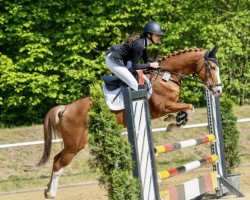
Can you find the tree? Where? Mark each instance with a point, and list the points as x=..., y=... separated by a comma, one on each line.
x=51, y=51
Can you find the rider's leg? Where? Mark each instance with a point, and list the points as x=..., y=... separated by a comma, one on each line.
x=122, y=73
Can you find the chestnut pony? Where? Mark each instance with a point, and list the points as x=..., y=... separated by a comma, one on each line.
x=70, y=122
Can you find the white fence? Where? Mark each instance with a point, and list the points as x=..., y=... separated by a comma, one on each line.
x=2, y=146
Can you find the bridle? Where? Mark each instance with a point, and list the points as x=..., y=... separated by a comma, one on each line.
x=205, y=65
x=208, y=69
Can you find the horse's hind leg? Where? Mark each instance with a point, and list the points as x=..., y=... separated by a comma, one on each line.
x=50, y=192
x=61, y=160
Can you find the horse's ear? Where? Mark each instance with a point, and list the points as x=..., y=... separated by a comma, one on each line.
x=212, y=54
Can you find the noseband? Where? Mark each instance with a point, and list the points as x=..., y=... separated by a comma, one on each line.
x=208, y=69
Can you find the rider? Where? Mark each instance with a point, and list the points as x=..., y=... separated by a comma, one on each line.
x=122, y=56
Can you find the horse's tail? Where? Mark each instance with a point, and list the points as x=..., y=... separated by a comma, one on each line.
x=50, y=122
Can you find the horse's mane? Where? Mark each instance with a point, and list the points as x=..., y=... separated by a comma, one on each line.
x=175, y=53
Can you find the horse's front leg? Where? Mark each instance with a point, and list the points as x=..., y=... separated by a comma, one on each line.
x=182, y=116
x=174, y=107
x=164, y=108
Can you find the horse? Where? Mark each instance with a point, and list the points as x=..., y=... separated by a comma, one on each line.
x=70, y=122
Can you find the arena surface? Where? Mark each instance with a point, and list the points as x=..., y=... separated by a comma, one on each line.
x=92, y=191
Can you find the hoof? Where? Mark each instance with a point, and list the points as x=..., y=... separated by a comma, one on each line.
x=170, y=127
x=181, y=118
x=182, y=122
x=169, y=118
x=48, y=195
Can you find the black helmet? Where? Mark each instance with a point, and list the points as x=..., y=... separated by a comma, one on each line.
x=153, y=27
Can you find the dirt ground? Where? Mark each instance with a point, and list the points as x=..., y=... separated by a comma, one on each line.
x=92, y=191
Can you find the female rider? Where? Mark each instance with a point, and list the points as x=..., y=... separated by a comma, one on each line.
x=123, y=56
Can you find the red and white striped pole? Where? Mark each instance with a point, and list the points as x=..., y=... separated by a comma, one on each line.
x=183, y=144
x=186, y=168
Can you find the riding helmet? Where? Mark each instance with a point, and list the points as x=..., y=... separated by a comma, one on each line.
x=153, y=27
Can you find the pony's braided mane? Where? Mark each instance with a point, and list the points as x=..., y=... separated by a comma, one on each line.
x=178, y=53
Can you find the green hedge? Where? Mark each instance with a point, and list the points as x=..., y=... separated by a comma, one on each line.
x=231, y=134
x=111, y=154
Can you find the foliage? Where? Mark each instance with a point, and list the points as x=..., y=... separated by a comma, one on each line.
x=51, y=51
x=230, y=134
x=110, y=153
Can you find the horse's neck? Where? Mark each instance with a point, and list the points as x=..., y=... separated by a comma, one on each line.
x=180, y=67
x=184, y=63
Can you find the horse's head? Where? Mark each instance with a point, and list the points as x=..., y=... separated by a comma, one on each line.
x=203, y=63
x=209, y=72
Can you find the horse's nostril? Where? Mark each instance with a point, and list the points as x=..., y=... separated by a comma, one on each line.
x=219, y=91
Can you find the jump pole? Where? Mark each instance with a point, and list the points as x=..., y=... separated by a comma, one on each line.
x=187, y=167
x=183, y=144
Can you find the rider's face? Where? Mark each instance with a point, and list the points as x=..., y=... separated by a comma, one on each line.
x=156, y=38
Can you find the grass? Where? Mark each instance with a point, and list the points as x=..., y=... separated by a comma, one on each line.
x=13, y=161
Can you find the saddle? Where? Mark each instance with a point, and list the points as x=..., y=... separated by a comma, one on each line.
x=113, y=82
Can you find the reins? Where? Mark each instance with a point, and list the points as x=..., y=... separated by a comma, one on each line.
x=158, y=71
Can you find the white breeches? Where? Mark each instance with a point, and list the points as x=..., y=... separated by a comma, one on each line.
x=122, y=72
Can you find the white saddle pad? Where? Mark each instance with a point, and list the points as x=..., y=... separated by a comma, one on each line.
x=117, y=103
